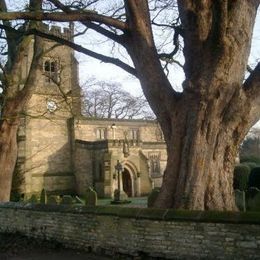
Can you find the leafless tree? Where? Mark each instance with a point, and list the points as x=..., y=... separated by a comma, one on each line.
x=102, y=99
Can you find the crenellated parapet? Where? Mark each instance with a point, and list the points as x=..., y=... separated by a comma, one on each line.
x=62, y=32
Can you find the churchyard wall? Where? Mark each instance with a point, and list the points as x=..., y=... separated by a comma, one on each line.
x=139, y=232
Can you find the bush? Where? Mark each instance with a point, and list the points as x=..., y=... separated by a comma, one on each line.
x=16, y=196
x=254, y=178
x=251, y=165
x=253, y=199
x=241, y=174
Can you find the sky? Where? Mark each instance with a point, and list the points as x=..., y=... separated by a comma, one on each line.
x=89, y=67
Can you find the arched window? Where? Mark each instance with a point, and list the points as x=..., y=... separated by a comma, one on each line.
x=51, y=71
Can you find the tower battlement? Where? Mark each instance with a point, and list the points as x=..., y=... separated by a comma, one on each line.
x=63, y=32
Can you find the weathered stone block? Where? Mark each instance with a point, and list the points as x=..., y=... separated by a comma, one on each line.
x=90, y=197
x=43, y=197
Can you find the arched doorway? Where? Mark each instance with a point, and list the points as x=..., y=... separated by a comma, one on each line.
x=127, y=182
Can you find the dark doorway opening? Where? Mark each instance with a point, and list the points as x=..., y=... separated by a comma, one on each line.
x=127, y=183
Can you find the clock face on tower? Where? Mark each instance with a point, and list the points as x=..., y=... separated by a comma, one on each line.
x=51, y=106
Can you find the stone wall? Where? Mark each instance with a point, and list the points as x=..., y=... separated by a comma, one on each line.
x=44, y=139
x=139, y=232
x=48, y=161
x=148, y=131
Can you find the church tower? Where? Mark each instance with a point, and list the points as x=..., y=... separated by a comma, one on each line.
x=45, y=136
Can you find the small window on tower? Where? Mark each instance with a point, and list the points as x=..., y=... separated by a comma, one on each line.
x=51, y=71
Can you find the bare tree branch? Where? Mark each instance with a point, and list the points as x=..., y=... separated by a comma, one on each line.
x=76, y=47
x=89, y=24
x=64, y=17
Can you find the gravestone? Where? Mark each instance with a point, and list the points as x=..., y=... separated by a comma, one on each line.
x=43, y=197
x=240, y=199
x=90, y=197
x=67, y=200
x=52, y=200
x=152, y=197
x=33, y=199
x=253, y=201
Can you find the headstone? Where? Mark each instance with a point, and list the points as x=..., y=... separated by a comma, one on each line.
x=67, y=200
x=33, y=199
x=240, y=199
x=52, y=200
x=252, y=192
x=253, y=203
x=90, y=197
x=79, y=200
x=152, y=197
x=43, y=198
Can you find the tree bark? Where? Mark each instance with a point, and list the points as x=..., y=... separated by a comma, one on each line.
x=15, y=101
x=8, y=152
x=199, y=173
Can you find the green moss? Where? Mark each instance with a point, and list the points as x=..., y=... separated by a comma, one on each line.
x=117, y=211
x=152, y=213
x=182, y=215
x=146, y=213
x=214, y=216
x=129, y=212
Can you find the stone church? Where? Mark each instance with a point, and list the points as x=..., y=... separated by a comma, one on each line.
x=64, y=152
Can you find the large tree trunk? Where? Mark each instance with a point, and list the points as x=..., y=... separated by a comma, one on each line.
x=204, y=125
x=15, y=99
x=14, y=103
x=8, y=152
x=201, y=156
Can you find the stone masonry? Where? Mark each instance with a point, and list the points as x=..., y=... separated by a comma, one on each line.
x=64, y=152
x=139, y=232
